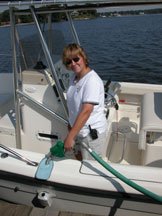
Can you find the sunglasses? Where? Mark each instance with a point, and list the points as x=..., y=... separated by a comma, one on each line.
x=76, y=59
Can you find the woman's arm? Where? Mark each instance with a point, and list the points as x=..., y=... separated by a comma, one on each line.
x=80, y=121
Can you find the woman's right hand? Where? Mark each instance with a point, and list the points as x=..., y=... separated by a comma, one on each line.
x=68, y=143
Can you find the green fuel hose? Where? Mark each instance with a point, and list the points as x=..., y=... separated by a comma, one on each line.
x=122, y=177
x=58, y=150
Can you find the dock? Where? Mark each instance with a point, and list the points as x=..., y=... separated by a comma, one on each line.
x=9, y=209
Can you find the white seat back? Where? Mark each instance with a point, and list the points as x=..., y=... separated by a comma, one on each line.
x=151, y=116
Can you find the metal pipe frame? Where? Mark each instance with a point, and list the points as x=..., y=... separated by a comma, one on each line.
x=41, y=106
x=50, y=32
x=76, y=38
x=21, y=49
x=16, y=83
x=21, y=157
x=49, y=61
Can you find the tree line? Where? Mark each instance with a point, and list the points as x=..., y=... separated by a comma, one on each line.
x=5, y=16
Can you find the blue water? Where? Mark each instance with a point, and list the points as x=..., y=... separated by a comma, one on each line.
x=127, y=48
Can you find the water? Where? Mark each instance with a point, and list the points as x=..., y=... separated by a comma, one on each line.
x=127, y=48
x=5, y=50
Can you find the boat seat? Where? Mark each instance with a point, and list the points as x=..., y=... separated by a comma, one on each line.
x=151, y=116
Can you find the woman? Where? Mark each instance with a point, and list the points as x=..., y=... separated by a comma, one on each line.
x=85, y=101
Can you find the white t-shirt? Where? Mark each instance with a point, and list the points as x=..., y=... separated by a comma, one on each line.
x=89, y=89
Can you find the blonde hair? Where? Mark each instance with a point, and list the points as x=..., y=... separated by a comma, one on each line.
x=73, y=50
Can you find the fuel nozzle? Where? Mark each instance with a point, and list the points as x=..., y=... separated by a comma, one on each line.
x=106, y=87
x=116, y=106
x=58, y=149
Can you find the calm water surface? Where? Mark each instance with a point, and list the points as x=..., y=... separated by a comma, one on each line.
x=127, y=48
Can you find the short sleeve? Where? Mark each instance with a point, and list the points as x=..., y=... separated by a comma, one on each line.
x=91, y=92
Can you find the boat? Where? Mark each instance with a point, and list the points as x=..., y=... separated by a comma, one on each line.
x=33, y=122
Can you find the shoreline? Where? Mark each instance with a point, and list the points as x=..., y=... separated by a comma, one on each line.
x=8, y=25
x=85, y=18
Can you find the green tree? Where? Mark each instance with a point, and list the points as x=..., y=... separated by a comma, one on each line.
x=5, y=16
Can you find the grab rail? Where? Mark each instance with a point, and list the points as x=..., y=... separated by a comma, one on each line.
x=32, y=163
x=41, y=106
